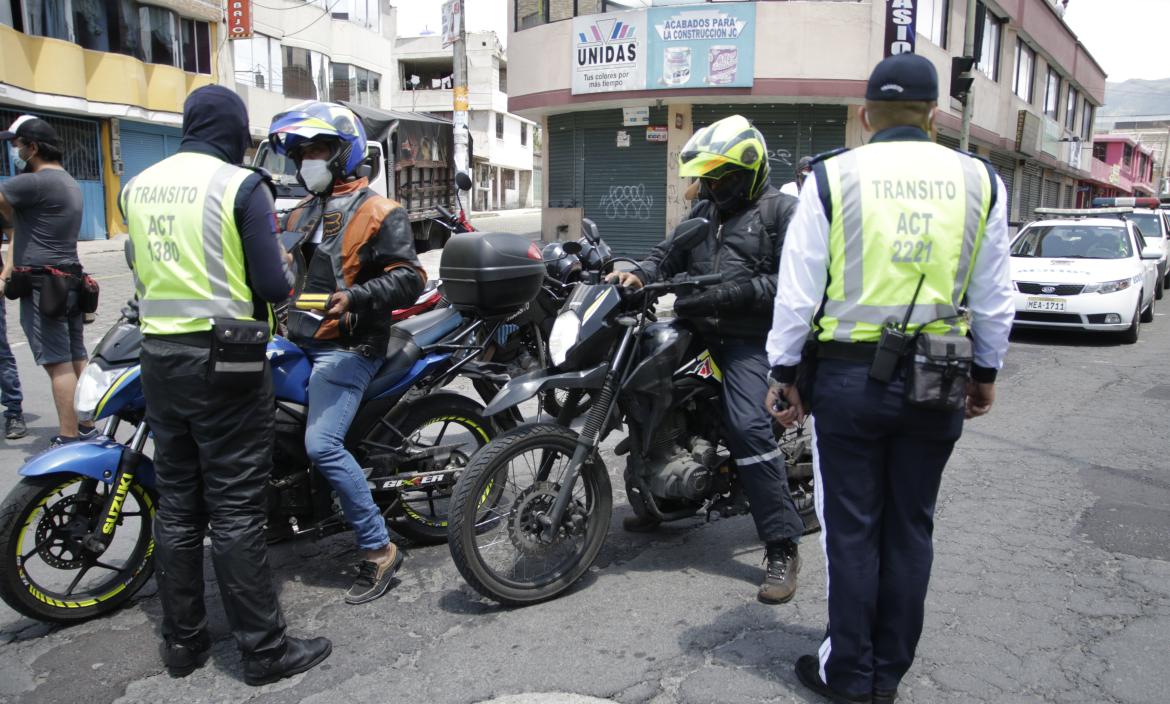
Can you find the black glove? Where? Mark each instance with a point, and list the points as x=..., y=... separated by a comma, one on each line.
x=130, y=311
x=715, y=299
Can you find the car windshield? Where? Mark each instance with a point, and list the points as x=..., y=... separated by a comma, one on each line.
x=1148, y=224
x=1073, y=242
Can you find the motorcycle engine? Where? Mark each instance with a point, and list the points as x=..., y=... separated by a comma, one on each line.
x=688, y=473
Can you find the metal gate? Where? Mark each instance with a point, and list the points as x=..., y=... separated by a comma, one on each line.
x=1030, y=191
x=1051, y=194
x=82, y=158
x=791, y=131
x=145, y=145
x=622, y=183
x=1005, y=166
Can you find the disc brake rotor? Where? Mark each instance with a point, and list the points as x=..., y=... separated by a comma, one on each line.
x=61, y=530
x=524, y=526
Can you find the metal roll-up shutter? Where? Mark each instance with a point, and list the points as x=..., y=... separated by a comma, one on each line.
x=1030, y=191
x=948, y=142
x=625, y=189
x=1005, y=166
x=1050, y=198
x=791, y=131
x=1068, y=197
x=563, y=157
x=144, y=146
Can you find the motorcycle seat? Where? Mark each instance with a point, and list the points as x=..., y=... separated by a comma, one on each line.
x=407, y=340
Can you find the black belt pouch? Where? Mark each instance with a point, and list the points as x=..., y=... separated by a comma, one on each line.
x=237, y=354
x=938, y=372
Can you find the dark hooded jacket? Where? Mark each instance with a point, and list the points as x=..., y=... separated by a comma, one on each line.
x=745, y=247
x=215, y=123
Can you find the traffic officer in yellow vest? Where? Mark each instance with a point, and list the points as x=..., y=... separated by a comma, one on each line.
x=889, y=243
x=207, y=266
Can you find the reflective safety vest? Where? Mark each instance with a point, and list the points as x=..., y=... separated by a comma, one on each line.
x=188, y=258
x=902, y=212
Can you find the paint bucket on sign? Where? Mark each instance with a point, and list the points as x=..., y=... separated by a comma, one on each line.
x=722, y=63
x=676, y=65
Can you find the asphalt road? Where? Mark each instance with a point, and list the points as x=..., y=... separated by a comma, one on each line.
x=1051, y=581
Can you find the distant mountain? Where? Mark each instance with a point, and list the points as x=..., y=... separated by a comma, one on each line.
x=1136, y=97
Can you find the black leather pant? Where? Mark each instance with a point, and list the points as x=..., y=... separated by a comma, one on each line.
x=213, y=455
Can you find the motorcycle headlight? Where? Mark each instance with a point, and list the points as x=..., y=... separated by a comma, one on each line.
x=91, y=387
x=1108, y=286
x=564, y=335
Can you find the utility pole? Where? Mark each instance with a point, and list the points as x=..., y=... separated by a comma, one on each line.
x=968, y=99
x=460, y=94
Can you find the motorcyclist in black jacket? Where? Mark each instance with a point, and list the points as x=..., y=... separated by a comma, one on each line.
x=748, y=221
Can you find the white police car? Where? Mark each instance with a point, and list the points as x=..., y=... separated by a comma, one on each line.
x=1155, y=228
x=1083, y=269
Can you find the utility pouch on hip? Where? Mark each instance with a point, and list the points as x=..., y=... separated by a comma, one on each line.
x=237, y=354
x=88, y=294
x=56, y=285
x=20, y=284
x=939, y=371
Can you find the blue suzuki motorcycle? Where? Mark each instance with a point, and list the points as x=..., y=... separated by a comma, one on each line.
x=76, y=532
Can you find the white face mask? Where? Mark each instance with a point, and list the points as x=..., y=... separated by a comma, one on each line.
x=316, y=175
x=14, y=156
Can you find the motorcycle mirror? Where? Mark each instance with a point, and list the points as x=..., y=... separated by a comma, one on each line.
x=690, y=233
x=573, y=248
x=463, y=181
x=589, y=231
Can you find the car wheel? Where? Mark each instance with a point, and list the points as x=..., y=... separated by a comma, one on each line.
x=1148, y=313
x=1131, y=333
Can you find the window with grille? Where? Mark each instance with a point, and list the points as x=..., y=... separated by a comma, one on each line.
x=81, y=155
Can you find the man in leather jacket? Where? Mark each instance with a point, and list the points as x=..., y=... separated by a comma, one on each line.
x=748, y=219
x=361, y=262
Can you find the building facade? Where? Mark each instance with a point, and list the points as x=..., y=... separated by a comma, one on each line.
x=111, y=77
x=1151, y=132
x=1120, y=166
x=335, y=50
x=502, y=143
x=619, y=86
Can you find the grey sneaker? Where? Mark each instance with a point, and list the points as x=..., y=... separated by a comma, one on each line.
x=14, y=427
x=374, y=578
x=783, y=564
x=59, y=440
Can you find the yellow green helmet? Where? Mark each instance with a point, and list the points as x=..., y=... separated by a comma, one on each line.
x=726, y=146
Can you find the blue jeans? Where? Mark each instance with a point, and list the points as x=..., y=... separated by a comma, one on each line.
x=336, y=386
x=10, y=395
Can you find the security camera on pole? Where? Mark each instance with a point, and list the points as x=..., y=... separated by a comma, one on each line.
x=455, y=35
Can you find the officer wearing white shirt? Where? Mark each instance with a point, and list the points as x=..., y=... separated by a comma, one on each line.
x=898, y=230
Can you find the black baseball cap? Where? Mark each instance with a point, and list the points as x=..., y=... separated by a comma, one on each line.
x=32, y=129
x=903, y=77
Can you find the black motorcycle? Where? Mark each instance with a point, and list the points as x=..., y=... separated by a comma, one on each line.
x=530, y=512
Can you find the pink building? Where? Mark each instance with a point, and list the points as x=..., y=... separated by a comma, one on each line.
x=1120, y=166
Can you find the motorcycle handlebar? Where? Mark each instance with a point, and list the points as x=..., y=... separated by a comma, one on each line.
x=683, y=280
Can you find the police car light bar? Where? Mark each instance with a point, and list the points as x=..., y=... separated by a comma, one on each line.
x=1131, y=202
x=1082, y=212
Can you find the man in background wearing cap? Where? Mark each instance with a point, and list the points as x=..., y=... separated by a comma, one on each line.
x=898, y=229
x=803, y=166
x=45, y=204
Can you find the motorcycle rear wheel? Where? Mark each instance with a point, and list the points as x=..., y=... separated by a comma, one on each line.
x=495, y=537
x=46, y=518
x=426, y=422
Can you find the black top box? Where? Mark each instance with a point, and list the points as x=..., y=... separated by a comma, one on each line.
x=491, y=273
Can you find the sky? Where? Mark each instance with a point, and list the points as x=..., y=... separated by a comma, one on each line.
x=1127, y=37
x=416, y=16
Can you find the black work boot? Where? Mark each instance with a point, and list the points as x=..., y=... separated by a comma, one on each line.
x=184, y=657
x=782, y=565
x=808, y=671
x=299, y=655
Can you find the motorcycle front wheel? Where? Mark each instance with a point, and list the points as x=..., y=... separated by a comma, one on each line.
x=497, y=536
x=47, y=570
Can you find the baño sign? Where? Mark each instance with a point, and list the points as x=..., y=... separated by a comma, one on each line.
x=664, y=48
